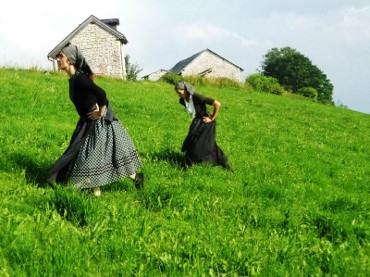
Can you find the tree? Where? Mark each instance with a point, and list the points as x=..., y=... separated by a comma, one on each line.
x=295, y=71
x=132, y=70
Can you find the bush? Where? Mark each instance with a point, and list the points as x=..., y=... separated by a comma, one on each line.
x=132, y=70
x=308, y=92
x=265, y=83
x=172, y=79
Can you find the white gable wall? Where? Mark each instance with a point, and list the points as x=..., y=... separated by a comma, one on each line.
x=220, y=67
x=156, y=75
x=103, y=51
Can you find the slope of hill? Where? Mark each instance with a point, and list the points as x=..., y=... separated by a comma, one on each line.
x=296, y=205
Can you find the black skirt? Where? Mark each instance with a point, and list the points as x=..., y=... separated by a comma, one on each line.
x=200, y=145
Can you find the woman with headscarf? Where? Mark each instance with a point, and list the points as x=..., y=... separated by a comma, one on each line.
x=100, y=151
x=200, y=144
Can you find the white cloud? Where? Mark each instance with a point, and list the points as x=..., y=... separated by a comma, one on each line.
x=32, y=28
x=208, y=32
x=350, y=24
x=355, y=23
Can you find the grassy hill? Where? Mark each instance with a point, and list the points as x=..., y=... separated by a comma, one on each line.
x=296, y=205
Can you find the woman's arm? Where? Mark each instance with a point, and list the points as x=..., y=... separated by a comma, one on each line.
x=216, y=107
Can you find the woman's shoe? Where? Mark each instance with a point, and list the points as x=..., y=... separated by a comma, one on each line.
x=139, y=180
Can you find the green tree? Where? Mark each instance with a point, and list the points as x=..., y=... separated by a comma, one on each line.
x=295, y=71
x=132, y=70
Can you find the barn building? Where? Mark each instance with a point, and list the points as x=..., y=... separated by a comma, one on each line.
x=208, y=64
x=102, y=45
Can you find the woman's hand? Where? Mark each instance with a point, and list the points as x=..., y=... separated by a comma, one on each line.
x=97, y=113
x=94, y=115
x=207, y=119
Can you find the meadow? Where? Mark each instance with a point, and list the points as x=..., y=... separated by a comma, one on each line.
x=297, y=203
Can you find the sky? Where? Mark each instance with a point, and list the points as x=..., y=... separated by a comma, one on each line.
x=333, y=34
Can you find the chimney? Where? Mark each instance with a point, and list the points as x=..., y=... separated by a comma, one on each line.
x=111, y=22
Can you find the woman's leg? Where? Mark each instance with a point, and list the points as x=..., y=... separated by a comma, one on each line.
x=96, y=191
x=133, y=176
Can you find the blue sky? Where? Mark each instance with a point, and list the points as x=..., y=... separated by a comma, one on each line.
x=333, y=34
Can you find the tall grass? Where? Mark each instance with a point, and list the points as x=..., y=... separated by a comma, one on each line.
x=296, y=205
x=220, y=82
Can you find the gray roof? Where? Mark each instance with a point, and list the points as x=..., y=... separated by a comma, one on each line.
x=184, y=63
x=90, y=19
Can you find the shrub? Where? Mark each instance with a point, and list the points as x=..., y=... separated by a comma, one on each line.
x=265, y=83
x=339, y=104
x=172, y=79
x=132, y=70
x=308, y=92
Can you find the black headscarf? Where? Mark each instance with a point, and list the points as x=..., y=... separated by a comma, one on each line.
x=186, y=86
x=75, y=56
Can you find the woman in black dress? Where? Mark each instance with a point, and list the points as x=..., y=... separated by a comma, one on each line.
x=100, y=151
x=200, y=144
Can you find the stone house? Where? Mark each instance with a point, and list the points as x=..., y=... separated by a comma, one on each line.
x=209, y=64
x=154, y=76
x=101, y=44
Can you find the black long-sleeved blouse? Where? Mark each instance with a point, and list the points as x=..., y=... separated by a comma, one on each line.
x=84, y=94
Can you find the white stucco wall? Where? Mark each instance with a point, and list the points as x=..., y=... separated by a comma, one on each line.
x=220, y=67
x=156, y=75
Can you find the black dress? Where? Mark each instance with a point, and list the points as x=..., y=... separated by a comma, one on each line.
x=200, y=143
x=100, y=152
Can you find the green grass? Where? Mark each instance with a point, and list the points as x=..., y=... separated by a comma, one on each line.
x=296, y=205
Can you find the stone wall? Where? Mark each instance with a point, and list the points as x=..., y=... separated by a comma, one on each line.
x=220, y=67
x=103, y=51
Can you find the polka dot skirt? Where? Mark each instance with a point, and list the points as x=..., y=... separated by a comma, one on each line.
x=107, y=155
